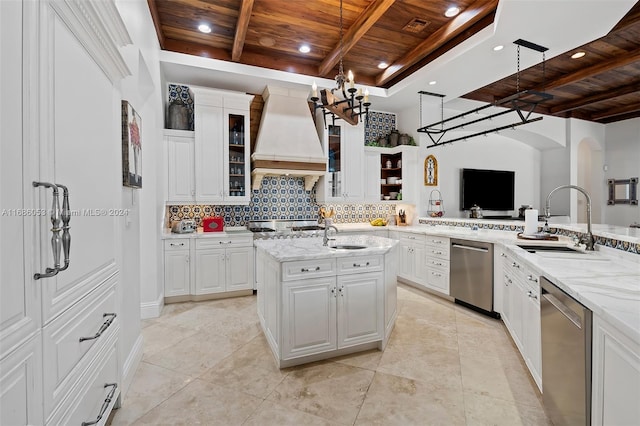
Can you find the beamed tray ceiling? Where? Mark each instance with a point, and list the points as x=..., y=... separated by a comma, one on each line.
x=603, y=86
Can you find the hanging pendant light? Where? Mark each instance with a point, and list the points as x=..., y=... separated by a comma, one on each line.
x=342, y=102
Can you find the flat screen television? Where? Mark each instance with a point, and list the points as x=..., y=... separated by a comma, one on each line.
x=488, y=189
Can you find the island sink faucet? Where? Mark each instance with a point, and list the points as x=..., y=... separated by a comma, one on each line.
x=328, y=225
x=590, y=241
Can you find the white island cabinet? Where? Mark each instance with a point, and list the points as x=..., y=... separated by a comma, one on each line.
x=316, y=302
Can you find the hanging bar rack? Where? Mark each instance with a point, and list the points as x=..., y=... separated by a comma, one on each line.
x=522, y=102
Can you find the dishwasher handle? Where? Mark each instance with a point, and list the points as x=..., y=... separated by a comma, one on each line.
x=460, y=246
x=564, y=309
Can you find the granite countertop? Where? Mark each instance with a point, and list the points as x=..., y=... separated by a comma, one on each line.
x=311, y=248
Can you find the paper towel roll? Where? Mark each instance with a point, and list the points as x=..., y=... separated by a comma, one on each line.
x=530, y=221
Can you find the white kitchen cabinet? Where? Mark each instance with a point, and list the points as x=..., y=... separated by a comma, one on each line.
x=360, y=308
x=214, y=167
x=615, y=376
x=208, y=265
x=412, y=265
x=177, y=267
x=376, y=170
x=521, y=311
x=437, y=256
x=343, y=182
x=51, y=143
x=309, y=315
x=180, y=171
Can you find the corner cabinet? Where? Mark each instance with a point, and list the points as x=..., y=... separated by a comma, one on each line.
x=344, y=146
x=211, y=164
x=391, y=172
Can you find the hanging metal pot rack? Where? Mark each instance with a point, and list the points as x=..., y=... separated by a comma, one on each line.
x=522, y=102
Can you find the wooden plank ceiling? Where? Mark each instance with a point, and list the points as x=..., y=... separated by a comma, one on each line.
x=602, y=86
x=406, y=34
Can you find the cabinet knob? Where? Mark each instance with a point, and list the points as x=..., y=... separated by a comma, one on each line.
x=503, y=255
x=515, y=265
x=532, y=278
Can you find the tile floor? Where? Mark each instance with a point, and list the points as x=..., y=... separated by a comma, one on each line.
x=208, y=363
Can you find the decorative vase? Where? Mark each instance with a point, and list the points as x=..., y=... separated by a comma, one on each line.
x=404, y=139
x=178, y=115
x=382, y=141
x=393, y=138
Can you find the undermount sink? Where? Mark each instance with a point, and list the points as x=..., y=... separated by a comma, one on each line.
x=535, y=248
x=348, y=247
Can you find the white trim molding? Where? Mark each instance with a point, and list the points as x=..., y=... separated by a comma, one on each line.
x=99, y=27
x=130, y=366
x=152, y=309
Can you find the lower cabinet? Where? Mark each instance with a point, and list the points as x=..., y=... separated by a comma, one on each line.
x=615, y=376
x=329, y=313
x=208, y=265
x=521, y=311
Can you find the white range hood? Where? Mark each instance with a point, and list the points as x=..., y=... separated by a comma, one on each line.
x=287, y=142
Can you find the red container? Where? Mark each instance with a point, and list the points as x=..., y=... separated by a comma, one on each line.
x=212, y=224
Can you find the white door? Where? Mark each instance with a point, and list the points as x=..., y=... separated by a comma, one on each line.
x=405, y=269
x=209, y=154
x=81, y=142
x=360, y=309
x=180, y=173
x=309, y=317
x=210, y=271
x=507, y=307
x=239, y=268
x=419, y=263
x=531, y=328
x=177, y=280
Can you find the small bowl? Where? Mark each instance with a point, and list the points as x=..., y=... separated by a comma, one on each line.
x=386, y=197
x=393, y=195
x=392, y=180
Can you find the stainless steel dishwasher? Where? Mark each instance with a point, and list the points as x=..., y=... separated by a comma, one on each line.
x=471, y=274
x=566, y=356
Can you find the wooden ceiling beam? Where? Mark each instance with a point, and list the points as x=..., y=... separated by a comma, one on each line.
x=241, y=29
x=365, y=21
x=594, y=99
x=476, y=12
x=155, y=16
x=627, y=109
x=599, y=68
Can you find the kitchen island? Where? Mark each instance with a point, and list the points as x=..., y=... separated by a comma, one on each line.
x=317, y=302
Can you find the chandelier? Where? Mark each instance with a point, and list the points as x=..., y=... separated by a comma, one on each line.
x=342, y=102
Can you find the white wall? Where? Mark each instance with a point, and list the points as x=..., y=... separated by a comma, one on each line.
x=144, y=89
x=622, y=158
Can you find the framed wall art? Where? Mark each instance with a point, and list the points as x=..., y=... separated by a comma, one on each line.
x=430, y=171
x=131, y=147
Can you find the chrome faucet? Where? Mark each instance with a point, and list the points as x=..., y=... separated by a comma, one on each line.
x=327, y=226
x=590, y=241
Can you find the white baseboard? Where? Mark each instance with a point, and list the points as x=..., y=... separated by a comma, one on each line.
x=152, y=309
x=130, y=366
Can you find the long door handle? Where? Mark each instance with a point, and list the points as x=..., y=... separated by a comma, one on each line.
x=58, y=243
x=562, y=308
x=459, y=246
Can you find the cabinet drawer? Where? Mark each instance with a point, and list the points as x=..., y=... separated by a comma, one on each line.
x=437, y=252
x=435, y=241
x=176, y=244
x=437, y=263
x=63, y=349
x=308, y=269
x=86, y=401
x=224, y=242
x=438, y=279
x=353, y=265
x=406, y=237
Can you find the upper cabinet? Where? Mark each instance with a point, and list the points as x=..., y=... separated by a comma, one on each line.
x=215, y=167
x=344, y=181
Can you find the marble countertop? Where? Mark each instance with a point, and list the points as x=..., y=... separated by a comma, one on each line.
x=311, y=248
x=607, y=280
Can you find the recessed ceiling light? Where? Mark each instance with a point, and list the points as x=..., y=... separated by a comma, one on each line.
x=498, y=47
x=204, y=28
x=431, y=83
x=304, y=48
x=383, y=65
x=452, y=11
x=578, y=55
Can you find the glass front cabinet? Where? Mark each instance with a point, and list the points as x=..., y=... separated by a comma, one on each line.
x=237, y=155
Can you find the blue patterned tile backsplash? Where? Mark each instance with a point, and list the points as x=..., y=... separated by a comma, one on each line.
x=279, y=198
x=380, y=124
